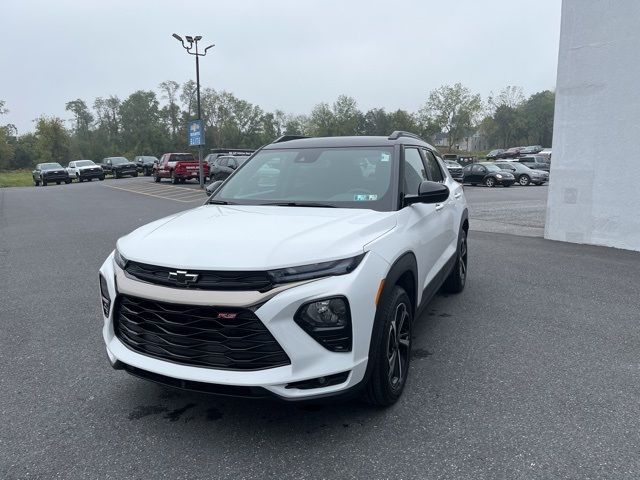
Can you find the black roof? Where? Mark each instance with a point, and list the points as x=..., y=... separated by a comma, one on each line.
x=355, y=141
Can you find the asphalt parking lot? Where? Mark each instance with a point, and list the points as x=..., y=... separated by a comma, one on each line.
x=532, y=372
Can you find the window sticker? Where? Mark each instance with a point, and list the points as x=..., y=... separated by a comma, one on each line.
x=384, y=157
x=361, y=197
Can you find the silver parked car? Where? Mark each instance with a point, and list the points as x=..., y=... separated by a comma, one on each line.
x=524, y=175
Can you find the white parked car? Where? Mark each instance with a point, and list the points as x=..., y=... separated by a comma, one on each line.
x=303, y=287
x=81, y=170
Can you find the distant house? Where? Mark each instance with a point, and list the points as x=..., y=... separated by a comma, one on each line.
x=474, y=142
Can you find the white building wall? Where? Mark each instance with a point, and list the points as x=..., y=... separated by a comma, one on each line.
x=594, y=193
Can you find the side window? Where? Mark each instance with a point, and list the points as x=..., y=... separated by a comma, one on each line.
x=434, y=168
x=232, y=163
x=223, y=162
x=476, y=168
x=414, y=171
x=72, y=165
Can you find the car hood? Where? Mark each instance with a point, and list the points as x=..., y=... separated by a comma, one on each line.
x=124, y=165
x=88, y=167
x=238, y=237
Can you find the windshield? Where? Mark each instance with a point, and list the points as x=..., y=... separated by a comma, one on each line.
x=50, y=166
x=147, y=159
x=119, y=160
x=339, y=177
x=453, y=164
x=84, y=163
x=182, y=157
x=492, y=168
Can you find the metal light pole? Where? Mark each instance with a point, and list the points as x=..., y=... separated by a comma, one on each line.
x=193, y=45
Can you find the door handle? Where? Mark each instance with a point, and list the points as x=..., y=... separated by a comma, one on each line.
x=439, y=206
x=457, y=195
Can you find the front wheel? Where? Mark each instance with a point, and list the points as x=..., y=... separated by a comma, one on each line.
x=457, y=279
x=156, y=178
x=116, y=175
x=391, y=351
x=36, y=182
x=490, y=182
x=101, y=178
x=174, y=180
x=67, y=181
x=135, y=174
x=524, y=180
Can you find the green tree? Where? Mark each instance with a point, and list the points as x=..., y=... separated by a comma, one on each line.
x=142, y=132
x=538, y=113
x=322, y=121
x=82, y=115
x=52, y=140
x=347, y=119
x=454, y=109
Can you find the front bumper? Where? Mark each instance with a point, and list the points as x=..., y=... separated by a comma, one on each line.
x=309, y=360
x=128, y=171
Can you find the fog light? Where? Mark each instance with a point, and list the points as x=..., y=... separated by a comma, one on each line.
x=104, y=295
x=327, y=321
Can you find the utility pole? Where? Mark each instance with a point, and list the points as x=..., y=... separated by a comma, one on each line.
x=192, y=49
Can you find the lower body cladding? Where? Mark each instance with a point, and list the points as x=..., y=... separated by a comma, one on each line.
x=305, y=370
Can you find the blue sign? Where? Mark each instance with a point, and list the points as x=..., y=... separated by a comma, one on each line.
x=196, y=133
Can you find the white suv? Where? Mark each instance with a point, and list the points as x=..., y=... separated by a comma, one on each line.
x=300, y=287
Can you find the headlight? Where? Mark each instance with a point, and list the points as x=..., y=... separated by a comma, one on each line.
x=120, y=260
x=315, y=270
x=328, y=322
x=498, y=176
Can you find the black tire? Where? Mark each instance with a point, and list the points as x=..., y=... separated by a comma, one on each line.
x=473, y=184
x=457, y=279
x=388, y=378
x=135, y=174
x=490, y=182
x=44, y=183
x=78, y=178
x=101, y=178
x=67, y=181
x=156, y=178
x=174, y=180
x=36, y=182
x=116, y=174
x=524, y=180
x=506, y=185
x=58, y=183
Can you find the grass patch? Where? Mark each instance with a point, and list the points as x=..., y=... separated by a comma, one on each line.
x=16, y=178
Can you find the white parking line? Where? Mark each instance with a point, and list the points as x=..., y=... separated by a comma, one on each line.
x=166, y=192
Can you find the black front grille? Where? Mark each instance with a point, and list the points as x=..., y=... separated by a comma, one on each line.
x=201, y=336
x=207, y=279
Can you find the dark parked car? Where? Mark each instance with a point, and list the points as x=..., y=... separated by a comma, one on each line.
x=523, y=174
x=455, y=169
x=224, y=166
x=536, y=162
x=512, y=152
x=487, y=174
x=493, y=154
x=119, y=167
x=50, y=172
x=531, y=150
x=145, y=163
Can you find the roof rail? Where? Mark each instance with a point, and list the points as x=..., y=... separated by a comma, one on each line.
x=399, y=133
x=286, y=138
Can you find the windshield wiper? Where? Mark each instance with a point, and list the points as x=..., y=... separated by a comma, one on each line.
x=300, y=204
x=220, y=202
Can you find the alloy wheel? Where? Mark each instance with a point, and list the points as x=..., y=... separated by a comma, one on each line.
x=398, y=346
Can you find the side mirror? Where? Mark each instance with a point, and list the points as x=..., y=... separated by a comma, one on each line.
x=428, y=192
x=213, y=186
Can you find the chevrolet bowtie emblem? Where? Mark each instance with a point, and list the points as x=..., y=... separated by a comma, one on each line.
x=182, y=277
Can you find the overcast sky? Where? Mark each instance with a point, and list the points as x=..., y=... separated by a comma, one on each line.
x=281, y=54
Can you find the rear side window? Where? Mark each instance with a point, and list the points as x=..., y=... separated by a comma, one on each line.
x=433, y=166
x=182, y=157
x=414, y=171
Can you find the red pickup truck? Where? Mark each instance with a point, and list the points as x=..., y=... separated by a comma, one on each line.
x=178, y=167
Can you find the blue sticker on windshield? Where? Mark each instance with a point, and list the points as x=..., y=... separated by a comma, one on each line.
x=359, y=197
